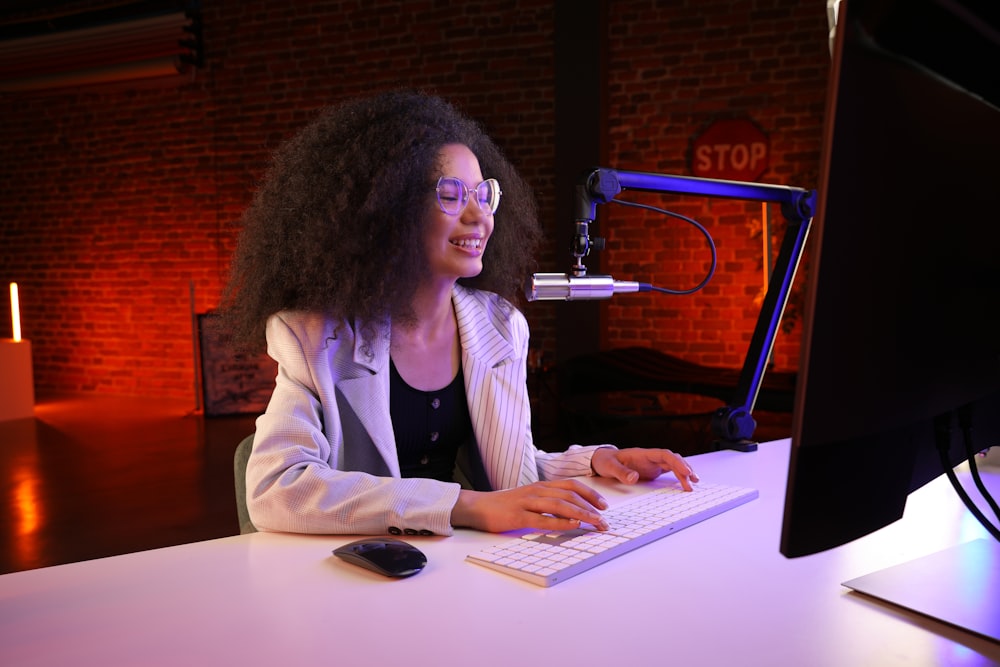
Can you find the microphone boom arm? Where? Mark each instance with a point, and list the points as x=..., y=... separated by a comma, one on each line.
x=733, y=425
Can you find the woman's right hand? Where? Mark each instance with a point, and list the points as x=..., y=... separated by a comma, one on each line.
x=553, y=505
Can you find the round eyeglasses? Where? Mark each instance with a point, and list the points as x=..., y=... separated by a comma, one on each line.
x=453, y=195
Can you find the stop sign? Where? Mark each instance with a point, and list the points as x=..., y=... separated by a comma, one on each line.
x=734, y=150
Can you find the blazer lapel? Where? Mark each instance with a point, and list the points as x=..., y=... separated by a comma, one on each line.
x=368, y=396
x=481, y=339
x=493, y=385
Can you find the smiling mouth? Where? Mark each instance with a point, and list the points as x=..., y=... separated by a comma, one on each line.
x=469, y=244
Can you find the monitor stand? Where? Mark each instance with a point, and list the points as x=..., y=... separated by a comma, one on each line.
x=959, y=586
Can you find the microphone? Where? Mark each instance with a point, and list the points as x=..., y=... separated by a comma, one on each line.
x=564, y=287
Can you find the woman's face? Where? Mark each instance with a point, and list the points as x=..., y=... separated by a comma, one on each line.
x=455, y=243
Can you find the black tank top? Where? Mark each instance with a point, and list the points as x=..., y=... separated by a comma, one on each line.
x=430, y=426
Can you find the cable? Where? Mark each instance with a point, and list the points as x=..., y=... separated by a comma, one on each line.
x=965, y=423
x=699, y=226
x=990, y=528
x=974, y=469
x=942, y=429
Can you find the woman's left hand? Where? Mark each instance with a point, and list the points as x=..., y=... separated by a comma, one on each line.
x=631, y=465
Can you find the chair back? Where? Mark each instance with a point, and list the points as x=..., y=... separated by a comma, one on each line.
x=240, y=473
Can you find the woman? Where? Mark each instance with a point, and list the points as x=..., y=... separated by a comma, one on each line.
x=380, y=260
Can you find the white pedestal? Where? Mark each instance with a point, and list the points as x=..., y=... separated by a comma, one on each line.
x=17, y=381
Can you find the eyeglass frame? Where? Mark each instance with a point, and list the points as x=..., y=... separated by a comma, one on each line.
x=467, y=195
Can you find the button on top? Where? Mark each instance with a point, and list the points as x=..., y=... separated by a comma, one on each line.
x=434, y=436
x=435, y=403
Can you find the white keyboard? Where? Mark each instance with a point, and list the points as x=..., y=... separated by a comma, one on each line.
x=546, y=559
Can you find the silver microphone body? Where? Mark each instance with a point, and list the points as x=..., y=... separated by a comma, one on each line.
x=564, y=287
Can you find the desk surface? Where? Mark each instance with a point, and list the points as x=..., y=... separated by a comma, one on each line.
x=716, y=593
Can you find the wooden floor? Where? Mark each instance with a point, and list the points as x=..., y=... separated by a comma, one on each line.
x=94, y=476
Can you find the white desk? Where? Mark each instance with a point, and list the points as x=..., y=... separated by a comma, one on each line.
x=718, y=593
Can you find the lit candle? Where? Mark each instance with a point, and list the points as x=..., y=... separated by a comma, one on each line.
x=15, y=312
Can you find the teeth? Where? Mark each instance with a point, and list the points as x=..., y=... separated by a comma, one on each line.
x=468, y=243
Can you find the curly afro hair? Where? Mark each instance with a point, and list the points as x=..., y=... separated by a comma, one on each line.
x=337, y=224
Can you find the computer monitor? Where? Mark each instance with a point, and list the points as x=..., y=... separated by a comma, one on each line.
x=901, y=345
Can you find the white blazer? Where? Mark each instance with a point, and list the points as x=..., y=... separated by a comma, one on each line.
x=324, y=457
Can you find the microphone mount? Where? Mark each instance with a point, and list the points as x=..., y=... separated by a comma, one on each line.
x=733, y=425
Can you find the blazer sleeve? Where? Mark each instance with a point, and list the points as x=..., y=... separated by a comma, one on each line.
x=296, y=476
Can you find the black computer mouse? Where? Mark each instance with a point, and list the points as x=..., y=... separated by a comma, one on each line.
x=385, y=555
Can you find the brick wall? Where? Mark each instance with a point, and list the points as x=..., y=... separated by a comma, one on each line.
x=671, y=74
x=118, y=204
